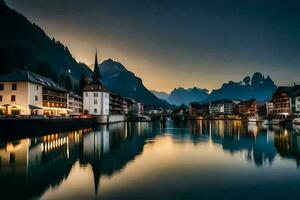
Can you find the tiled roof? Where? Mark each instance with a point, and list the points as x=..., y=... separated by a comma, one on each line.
x=95, y=87
x=76, y=96
x=22, y=75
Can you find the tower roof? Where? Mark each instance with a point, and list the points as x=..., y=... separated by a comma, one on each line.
x=96, y=76
x=96, y=84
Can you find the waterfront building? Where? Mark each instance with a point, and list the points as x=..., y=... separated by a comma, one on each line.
x=115, y=103
x=269, y=107
x=227, y=107
x=281, y=100
x=295, y=101
x=182, y=109
x=26, y=93
x=132, y=106
x=75, y=104
x=247, y=108
x=197, y=109
x=151, y=110
x=95, y=95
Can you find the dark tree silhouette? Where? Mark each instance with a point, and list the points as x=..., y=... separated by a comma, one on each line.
x=68, y=83
x=45, y=69
x=84, y=80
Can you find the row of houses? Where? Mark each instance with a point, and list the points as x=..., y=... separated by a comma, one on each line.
x=26, y=93
x=285, y=101
x=224, y=107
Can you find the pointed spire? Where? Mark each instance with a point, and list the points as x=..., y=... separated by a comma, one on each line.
x=97, y=174
x=96, y=74
x=96, y=59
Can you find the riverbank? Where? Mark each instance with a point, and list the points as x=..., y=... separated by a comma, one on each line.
x=22, y=127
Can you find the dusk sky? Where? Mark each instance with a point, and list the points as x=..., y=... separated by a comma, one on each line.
x=172, y=43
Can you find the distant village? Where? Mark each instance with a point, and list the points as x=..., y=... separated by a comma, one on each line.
x=283, y=107
x=24, y=93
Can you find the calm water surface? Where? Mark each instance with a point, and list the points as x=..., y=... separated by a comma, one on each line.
x=178, y=160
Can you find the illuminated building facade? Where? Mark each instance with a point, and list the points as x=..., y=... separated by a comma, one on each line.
x=248, y=108
x=26, y=93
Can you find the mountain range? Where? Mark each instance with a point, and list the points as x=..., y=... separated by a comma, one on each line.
x=258, y=86
x=24, y=45
x=118, y=79
x=180, y=95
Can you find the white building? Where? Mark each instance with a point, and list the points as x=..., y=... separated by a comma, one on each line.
x=269, y=107
x=75, y=104
x=95, y=96
x=223, y=107
x=26, y=93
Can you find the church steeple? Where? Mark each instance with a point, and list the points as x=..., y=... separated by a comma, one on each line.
x=96, y=74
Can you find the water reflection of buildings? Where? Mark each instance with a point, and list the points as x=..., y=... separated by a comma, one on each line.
x=234, y=136
x=109, y=150
x=287, y=142
x=260, y=144
x=31, y=166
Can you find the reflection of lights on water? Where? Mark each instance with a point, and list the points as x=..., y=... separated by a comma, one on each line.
x=51, y=145
x=126, y=130
x=68, y=153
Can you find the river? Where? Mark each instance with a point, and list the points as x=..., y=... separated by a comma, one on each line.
x=176, y=160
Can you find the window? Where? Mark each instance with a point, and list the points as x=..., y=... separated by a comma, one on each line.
x=14, y=86
x=36, y=98
x=1, y=86
x=95, y=94
x=86, y=94
x=0, y=97
x=37, y=87
x=95, y=101
x=95, y=110
x=13, y=98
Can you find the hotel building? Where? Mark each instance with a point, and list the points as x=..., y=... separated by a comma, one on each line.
x=26, y=93
x=247, y=108
x=227, y=107
x=281, y=100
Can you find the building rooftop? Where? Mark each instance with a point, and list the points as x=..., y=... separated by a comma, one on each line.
x=97, y=87
x=27, y=76
x=76, y=96
x=285, y=89
x=224, y=101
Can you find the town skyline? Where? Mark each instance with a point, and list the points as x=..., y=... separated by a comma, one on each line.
x=162, y=57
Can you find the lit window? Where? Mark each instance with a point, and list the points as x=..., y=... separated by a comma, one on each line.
x=13, y=97
x=1, y=86
x=14, y=86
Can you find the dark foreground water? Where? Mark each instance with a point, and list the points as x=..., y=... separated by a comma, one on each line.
x=191, y=160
